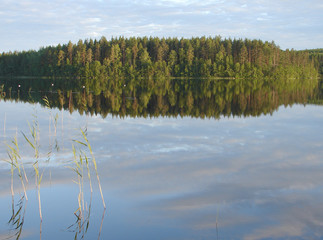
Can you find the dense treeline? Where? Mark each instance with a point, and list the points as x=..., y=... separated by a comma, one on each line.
x=317, y=57
x=155, y=57
x=166, y=97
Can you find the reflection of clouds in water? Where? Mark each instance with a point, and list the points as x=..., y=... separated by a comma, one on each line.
x=194, y=178
x=94, y=129
x=241, y=210
x=25, y=234
x=293, y=217
x=52, y=176
x=281, y=230
x=261, y=176
x=171, y=148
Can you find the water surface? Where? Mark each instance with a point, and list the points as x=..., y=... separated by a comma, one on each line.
x=173, y=177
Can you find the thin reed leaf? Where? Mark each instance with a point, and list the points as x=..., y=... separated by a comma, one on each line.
x=86, y=159
x=19, y=233
x=74, y=151
x=36, y=169
x=10, y=162
x=41, y=177
x=14, y=156
x=17, y=222
x=80, y=142
x=45, y=99
x=77, y=164
x=14, y=216
x=81, y=159
x=95, y=165
x=13, y=150
x=15, y=142
x=26, y=138
x=87, y=142
x=76, y=171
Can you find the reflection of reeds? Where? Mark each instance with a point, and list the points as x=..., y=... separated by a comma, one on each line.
x=81, y=162
x=78, y=169
x=81, y=159
x=87, y=144
x=103, y=214
x=82, y=166
x=82, y=222
x=17, y=218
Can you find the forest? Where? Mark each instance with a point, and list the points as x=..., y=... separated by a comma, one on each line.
x=145, y=57
x=142, y=97
x=317, y=56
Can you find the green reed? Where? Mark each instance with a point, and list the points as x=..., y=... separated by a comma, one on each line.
x=34, y=143
x=52, y=118
x=82, y=166
x=16, y=164
x=87, y=143
x=81, y=162
x=17, y=217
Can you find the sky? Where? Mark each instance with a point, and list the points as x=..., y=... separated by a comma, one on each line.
x=31, y=24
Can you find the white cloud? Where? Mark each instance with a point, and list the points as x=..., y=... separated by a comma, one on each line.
x=24, y=22
x=91, y=20
x=94, y=34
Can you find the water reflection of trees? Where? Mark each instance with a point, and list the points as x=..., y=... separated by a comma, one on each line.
x=146, y=97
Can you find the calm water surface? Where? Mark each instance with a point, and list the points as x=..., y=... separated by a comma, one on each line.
x=172, y=178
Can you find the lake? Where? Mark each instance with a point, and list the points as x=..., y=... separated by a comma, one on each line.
x=227, y=163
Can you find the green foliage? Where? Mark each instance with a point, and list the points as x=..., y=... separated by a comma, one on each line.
x=316, y=56
x=154, y=57
x=164, y=96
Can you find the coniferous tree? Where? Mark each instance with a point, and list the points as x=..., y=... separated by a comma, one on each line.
x=198, y=57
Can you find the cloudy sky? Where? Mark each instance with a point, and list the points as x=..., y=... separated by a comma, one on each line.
x=30, y=24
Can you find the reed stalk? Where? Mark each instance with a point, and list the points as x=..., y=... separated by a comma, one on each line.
x=78, y=169
x=4, y=124
x=34, y=143
x=82, y=222
x=15, y=162
x=54, y=120
x=101, y=224
x=95, y=165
